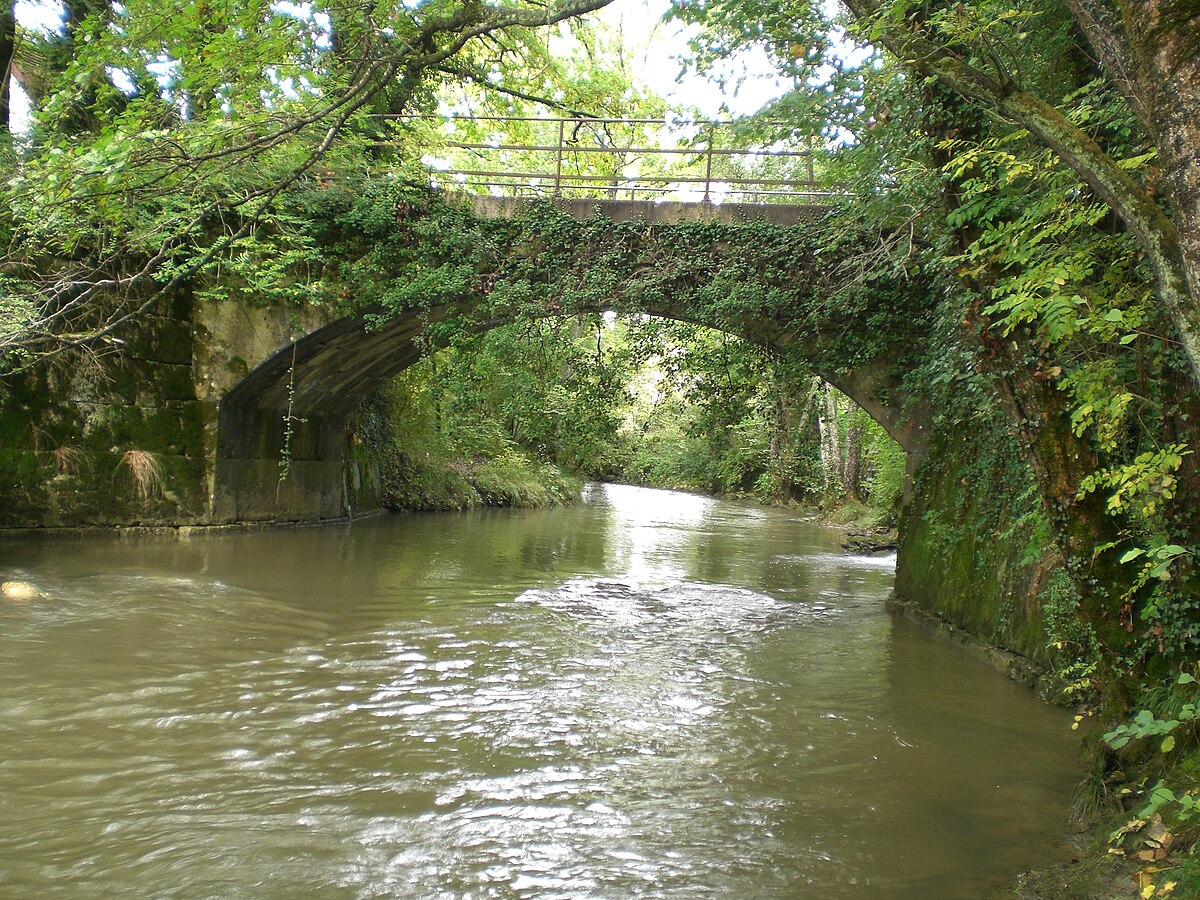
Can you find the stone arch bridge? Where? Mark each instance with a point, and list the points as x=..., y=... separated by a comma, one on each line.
x=285, y=380
x=189, y=423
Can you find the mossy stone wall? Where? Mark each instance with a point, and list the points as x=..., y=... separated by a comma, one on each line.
x=73, y=432
x=972, y=547
x=76, y=435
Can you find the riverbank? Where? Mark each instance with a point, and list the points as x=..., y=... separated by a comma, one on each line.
x=513, y=480
x=1120, y=856
x=1094, y=875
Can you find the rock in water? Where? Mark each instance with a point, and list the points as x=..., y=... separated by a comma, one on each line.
x=19, y=590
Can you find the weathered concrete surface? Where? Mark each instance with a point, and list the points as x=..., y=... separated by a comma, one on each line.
x=231, y=339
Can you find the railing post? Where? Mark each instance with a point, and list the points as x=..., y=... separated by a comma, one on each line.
x=562, y=123
x=812, y=180
x=708, y=163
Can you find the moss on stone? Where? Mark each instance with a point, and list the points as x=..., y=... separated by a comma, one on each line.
x=969, y=541
x=20, y=467
x=237, y=367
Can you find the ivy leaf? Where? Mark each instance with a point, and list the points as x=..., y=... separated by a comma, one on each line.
x=1117, y=741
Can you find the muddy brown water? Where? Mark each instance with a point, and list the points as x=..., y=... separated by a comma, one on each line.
x=649, y=694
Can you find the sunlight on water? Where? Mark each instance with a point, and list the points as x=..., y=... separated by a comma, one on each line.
x=648, y=528
x=651, y=694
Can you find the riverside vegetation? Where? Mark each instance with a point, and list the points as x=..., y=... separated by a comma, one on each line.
x=515, y=415
x=1031, y=168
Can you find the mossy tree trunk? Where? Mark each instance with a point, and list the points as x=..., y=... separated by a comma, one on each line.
x=1150, y=50
x=831, y=457
x=781, y=440
x=852, y=456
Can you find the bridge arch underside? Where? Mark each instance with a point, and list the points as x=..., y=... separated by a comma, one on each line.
x=296, y=406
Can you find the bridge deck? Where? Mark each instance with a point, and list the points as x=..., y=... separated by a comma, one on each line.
x=667, y=212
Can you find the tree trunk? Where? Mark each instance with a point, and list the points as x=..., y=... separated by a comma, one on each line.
x=806, y=408
x=827, y=422
x=1148, y=48
x=780, y=449
x=852, y=458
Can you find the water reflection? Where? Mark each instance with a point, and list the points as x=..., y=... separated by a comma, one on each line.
x=648, y=533
x=651, y=694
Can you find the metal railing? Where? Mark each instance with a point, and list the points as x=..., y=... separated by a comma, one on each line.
x=581, y=157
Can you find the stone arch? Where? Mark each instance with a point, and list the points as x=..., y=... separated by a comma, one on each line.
x=314, y=383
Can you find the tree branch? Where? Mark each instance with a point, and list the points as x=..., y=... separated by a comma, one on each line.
x=1141, y=214
x=483, y=82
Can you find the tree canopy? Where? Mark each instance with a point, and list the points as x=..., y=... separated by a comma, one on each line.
x=165, y=134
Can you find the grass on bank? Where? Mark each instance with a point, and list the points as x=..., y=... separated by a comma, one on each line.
x=429, y=465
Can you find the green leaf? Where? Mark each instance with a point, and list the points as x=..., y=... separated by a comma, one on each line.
x=1161, y=569
x=1168, y=744
x=1133, y=554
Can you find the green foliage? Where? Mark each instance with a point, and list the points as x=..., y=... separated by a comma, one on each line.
x=1146, y=725
x=1143, y=484
x=1077, y=660
x=165, y=135
x=701, y=418
x=638, y=399
x=1052, y=265
x=553, y=387
x=17, y=311
x=1071, y=293
x=1174, y=714
x=429, y=466
x=887, y=464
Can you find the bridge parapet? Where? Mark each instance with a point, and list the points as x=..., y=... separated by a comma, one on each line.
x=665, y=212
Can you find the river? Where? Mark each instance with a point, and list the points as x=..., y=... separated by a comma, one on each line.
x=649, y=694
